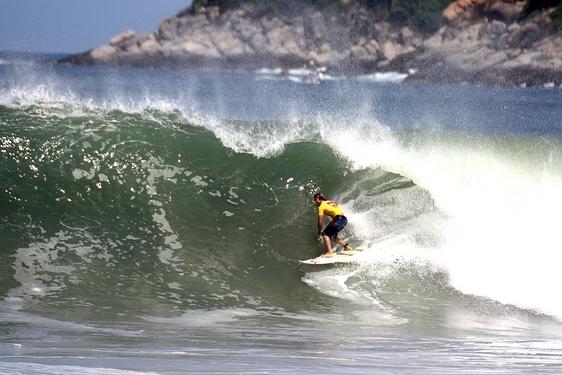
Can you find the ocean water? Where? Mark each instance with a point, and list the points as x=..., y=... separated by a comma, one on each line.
x=151, y=222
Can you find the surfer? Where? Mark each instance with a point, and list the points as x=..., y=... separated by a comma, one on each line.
x=338, y=222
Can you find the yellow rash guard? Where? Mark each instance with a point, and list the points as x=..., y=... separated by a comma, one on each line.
x=329, y=208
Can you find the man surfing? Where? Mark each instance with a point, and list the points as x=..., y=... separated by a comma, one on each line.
x=337, y=223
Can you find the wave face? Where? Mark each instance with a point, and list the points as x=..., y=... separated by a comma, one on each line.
x=195, y=196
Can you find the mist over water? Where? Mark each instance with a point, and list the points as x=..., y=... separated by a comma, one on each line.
x=162, y=213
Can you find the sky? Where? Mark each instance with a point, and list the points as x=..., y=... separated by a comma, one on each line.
x=69, y=26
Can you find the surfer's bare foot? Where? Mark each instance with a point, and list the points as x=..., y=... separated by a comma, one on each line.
x=328, y=254
x=346, y=247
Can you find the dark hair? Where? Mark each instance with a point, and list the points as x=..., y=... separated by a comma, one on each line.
x=319, y=196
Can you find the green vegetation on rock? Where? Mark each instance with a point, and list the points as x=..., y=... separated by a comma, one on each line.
x=533, y=6
x=423, y=15
x=556, y=17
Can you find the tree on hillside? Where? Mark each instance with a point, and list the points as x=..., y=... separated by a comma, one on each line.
x=424, y=15
x=534, y=5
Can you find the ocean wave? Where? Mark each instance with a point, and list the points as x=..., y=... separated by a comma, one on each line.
x=472, y=205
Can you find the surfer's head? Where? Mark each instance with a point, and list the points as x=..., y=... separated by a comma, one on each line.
x=318, y=198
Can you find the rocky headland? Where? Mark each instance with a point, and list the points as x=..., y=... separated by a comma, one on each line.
x=503, y=42
x=490, y=42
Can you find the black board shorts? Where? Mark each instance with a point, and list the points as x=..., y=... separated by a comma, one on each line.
x=335, y=226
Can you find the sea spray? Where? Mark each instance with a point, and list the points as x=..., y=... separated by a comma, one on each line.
x=501, y=196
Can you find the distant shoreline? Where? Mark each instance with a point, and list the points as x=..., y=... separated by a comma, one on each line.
x=490, y=45
x=436, y=74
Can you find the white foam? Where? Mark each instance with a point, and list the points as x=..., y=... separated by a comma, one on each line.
x=54, y=98
x=258, y=139
x=384, y=77
x=205, y=318
x=46, y=94
x=335, y=282
x=9, y=314
x=502, y=238
x=38, y=368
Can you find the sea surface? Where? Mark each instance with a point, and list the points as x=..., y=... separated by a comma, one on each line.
x=151, y=222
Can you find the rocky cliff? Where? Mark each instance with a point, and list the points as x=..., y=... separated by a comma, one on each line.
x=489, y=41
x=483, y=41
x=240, y=38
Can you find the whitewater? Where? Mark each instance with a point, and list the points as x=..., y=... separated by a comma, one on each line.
x=152, y=222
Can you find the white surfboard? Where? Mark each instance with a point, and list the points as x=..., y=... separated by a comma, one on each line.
x=339, y=257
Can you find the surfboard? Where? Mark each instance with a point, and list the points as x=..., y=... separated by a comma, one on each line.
x=339, y=257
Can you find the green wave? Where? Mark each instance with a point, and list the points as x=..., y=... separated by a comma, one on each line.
x=154, y=208
x=151, y=213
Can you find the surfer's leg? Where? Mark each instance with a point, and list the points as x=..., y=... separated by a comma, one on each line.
x=327, y=235
x=344, y=244
x=328, y=243
x=338, y=224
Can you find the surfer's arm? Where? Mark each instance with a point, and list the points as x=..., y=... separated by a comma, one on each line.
x=320, y=222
